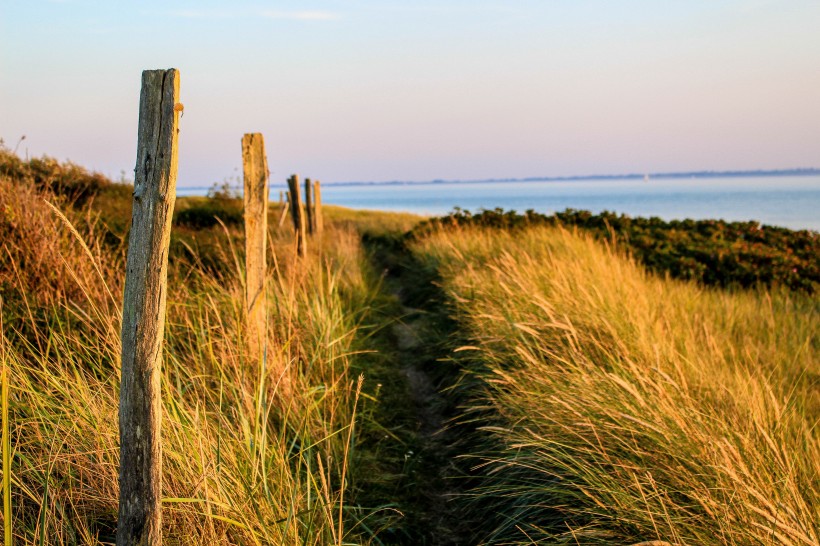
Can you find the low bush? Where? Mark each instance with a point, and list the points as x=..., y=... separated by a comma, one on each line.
x=208, y=212
x=73, y=182
x=713, y=252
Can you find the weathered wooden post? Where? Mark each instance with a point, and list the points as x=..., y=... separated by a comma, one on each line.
x=283, y=211
x=255, y=174
x=296, y=212
x=309, y=205
x=143, y=310
x=318, y=222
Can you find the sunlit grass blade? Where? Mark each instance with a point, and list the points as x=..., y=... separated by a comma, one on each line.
x=7, y=523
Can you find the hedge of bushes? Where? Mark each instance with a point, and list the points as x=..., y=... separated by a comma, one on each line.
x=713, y=252
x=74, y=183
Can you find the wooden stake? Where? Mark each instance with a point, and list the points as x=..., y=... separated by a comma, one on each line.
x=296, y=213
x=309, y=205
x=255, y=174
x=283, y=213
x=317, y=208
x=143, y=310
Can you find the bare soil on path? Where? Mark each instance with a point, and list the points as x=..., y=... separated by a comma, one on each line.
x=430, y=493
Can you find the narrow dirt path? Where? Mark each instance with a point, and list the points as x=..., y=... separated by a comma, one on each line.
x=420, y=410
x=436, y=482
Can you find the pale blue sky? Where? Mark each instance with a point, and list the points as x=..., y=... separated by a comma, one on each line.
x=384, y=90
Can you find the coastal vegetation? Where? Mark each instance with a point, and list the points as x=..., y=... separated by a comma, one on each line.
x=712, y=252
x=243, y=464
x=489, y=378
x=616, y=407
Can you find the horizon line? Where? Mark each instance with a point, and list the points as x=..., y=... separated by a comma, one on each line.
x=794, y=171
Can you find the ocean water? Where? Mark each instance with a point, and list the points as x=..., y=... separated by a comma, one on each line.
x=788, y=201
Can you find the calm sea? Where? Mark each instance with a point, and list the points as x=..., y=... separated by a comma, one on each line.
x=789, y=201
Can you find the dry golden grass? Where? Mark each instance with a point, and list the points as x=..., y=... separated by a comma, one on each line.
x=372, y=221
x=628, y=407
x=243, y=464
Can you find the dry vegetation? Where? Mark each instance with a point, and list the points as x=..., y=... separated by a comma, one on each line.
x=243, y=464
x=619, y=407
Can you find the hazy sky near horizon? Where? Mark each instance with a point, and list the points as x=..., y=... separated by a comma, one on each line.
x=417, y=90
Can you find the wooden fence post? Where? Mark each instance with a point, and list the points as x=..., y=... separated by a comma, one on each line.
x=296, y=212
x=309, y=205
x=143, y=311
x=317, y=208
x=255, y=175
x=283, y=210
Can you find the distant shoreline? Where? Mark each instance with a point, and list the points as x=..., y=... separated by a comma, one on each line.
x=631, y=176
x=812, y=171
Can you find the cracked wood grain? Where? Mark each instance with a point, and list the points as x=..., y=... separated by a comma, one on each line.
x=143, y=321
x=255, y=174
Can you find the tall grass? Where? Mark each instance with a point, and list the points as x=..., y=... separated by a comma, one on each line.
x=624, y=407
x=4, y=396
x=244, y=462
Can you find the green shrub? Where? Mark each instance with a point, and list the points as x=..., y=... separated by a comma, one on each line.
x=204, y=214
x=65, y=179
x=713, y=252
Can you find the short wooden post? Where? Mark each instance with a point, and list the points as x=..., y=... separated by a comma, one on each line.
x=317, y=208
x=296, y=213
x=309, y=205
x=143, y=310
x=283, y=211
x=255, y=175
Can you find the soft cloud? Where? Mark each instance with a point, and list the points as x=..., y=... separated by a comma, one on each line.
x=304, y=15
x=301, y=15
x=205, y=14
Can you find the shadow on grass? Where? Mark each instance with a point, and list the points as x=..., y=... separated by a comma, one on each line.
x=417, y=404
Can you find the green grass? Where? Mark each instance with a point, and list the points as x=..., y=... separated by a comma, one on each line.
x=618, y=407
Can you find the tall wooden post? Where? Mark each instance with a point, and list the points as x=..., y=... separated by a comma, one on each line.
x=255, y=174
x=143, y=310
x=296, y=212
x=309, y=205
x=317, y=208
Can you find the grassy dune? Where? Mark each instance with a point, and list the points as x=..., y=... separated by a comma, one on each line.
x=252, y=454
x=618, y=407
